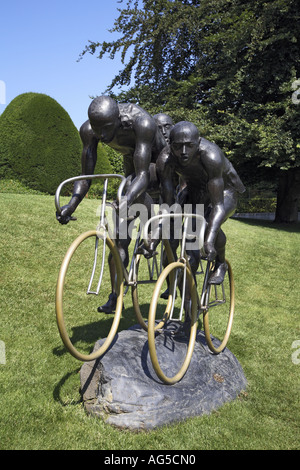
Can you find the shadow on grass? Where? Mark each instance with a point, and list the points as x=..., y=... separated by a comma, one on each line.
x=84, y=337
x=58, y=394
x=291, y=228
x=87, y=335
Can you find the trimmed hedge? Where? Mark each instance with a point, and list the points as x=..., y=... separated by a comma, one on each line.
x=256, y=204
x=103, y=166
x=39, y=144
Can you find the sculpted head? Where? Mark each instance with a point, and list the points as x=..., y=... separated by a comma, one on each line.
x=184, y=141
x=165, y=124
x=103, y=115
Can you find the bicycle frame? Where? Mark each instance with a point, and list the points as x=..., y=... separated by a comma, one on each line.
x=203, y=302
x=103, y=230
x=130, y=275
x=91, y=177
x=102, y=224
x=183, y=258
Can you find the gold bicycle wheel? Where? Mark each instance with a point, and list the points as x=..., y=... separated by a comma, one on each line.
x=160, y=342
x=147, y=272
x=76, y=310
x=218, y=317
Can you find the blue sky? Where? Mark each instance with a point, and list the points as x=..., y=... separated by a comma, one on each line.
x=40, y=42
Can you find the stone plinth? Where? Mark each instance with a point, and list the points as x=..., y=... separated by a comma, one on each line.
x=123, y=389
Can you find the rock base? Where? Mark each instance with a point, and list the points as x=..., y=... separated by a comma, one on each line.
x=123, y=388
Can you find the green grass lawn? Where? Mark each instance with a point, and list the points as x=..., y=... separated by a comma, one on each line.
x=40, y=404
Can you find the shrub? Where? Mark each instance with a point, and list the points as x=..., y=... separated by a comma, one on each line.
x=115, y=159
x=256, y=204
x=39, y=144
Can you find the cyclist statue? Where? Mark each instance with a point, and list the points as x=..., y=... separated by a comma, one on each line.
x=131, y=131
x=165, y=124
x=209, y=179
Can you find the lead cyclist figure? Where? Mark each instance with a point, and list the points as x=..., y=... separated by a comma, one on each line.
x=130, y=130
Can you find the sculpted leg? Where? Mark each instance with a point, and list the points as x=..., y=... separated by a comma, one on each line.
x=221, y=266
x=230, y=202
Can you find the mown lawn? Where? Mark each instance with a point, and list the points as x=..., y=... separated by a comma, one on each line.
x=40, y=404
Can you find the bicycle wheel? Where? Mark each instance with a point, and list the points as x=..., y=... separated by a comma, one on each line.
x=76, y=307
x=146, y=274
x=218, y=317
x=160, y=342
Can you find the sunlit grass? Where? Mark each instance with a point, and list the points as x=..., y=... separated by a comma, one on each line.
x=40, y=404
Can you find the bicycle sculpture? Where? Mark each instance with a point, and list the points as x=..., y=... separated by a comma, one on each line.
x=77, y=274
x=176, y=163
x=197, y=297
x=208, y=180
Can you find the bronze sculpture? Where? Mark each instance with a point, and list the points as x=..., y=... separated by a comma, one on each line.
x=165, y=124
x=209, y=178
x=133, y=132
x=128, y=129
x=157, y=155
x=184, y=168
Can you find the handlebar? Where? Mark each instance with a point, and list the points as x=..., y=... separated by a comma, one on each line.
x=184, y=215
x=88, y=177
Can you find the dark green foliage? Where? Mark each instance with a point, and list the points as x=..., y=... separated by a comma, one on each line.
x=115, y=159
x=103, y=164
x=39, y=144
x=108, y=161
x=229, y=66
x=256, y=204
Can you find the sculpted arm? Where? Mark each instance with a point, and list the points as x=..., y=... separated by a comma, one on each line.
x=215, y=186
x=164, y=173
x=88, y=162
x=145, y=129
x=165, y=176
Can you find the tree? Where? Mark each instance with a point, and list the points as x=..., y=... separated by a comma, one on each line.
x=233, y=64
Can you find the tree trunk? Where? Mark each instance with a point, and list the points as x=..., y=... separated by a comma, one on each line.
x=288, y=196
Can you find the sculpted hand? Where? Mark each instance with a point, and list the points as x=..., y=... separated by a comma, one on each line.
x=66, y=215
x=210, y=251
x=147, y=251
